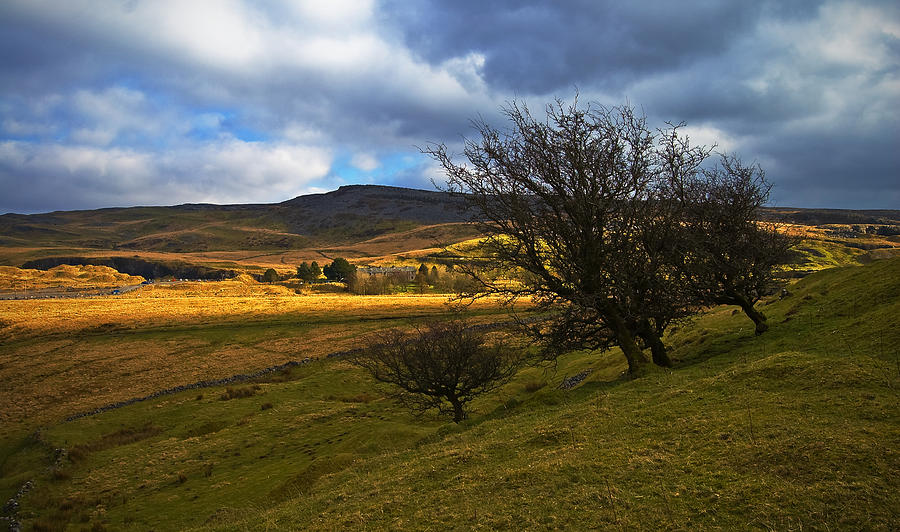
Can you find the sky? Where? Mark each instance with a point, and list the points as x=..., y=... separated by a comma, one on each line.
x=163, y=102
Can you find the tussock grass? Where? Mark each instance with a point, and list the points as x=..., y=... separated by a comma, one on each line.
x=239, y=393
x=114, y=439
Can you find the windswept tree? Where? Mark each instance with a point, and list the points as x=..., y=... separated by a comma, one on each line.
x=575, y=204
x=727, y=255
x=441, y=366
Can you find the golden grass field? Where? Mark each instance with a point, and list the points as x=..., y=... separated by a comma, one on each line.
x=63, y=356
x=16, y=279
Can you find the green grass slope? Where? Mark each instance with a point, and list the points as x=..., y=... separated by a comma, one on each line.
x=792, y=430
x=797, y=429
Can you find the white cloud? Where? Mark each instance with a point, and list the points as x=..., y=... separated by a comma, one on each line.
x=118, y=111
x=310, y=73
x=95, y=136
x=708, y=135
x=334, y=14
x=302, y=134
x=268, y=169
x=222, y=171
x=468, y=71
x=365, y=162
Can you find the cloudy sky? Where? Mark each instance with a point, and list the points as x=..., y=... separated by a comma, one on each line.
x=160, y=102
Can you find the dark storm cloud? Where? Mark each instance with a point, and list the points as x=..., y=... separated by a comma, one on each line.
x=167, y=101
x=769, y=77
x=540, y=47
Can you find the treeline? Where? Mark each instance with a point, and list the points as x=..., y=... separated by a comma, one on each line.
x=381, y=281
x=425, y=280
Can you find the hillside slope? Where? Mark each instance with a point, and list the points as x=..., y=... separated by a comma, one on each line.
x=349, y=214
x=795, y=429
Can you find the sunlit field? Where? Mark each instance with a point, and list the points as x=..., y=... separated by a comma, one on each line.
x=63, y=356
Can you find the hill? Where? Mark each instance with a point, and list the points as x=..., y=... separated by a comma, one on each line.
x=213, y=241
x=350, y=214
x=795, y=429
x=831, y=216
x=373, y=224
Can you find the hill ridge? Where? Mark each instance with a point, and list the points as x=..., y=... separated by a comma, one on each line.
x=348, y=215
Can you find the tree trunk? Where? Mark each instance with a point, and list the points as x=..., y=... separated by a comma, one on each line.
x=633, y=354
x=458, y=413
x=657, y=347
x=758, y=317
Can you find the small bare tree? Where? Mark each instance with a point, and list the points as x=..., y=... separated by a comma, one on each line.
x=442, y=366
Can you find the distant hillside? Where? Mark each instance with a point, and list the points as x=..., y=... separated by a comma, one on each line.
x=362, y=212
x=334, y=220
x=349, y=214
x=831, y=216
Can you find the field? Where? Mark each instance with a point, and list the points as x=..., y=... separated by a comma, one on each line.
x=63, y=356
x=795, y=429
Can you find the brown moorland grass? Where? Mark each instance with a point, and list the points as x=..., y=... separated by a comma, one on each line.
x=64, y=356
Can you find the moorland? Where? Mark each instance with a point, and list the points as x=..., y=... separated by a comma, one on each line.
x=794, y=429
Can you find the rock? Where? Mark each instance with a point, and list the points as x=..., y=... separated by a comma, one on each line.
x=570, y=382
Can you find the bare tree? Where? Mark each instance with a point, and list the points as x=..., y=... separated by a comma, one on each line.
x=727, y=255
x=443, y=366
x=577, y=206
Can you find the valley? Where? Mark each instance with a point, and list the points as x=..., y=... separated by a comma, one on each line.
x=793, y=429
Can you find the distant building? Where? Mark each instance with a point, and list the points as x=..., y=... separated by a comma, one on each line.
x=405, y=272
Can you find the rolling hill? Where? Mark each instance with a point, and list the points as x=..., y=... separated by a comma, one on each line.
x=350, y=214
x=366, y=223
x=354, y=221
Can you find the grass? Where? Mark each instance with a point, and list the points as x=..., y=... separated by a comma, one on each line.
x=795, y=429
x=214, y=453
x=60, y=357
x=63, y=277
x=792, y=430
